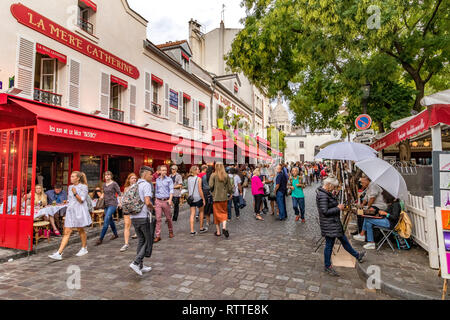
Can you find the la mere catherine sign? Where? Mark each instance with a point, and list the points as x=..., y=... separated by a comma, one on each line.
x=39, y=23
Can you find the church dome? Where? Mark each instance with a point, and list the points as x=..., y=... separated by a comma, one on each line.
x=279, y=113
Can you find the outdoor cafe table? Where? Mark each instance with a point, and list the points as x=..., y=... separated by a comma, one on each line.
x=47, y=211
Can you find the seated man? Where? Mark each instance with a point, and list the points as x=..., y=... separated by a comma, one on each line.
x=392, y=214
x=57, y=195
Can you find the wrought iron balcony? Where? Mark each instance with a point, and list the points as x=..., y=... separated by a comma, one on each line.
x=116, y=114
x=156, y=109
x=185, y=121
x=86, y=26
x=47, y=97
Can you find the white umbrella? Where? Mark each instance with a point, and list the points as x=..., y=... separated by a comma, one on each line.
x=347, y=151
x=386, y=176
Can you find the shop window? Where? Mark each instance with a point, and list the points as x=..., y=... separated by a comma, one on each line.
x=45, y=80
x=115, y=111
x=156, y=106
x=91, y=166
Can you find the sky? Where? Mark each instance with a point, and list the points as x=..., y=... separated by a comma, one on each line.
x=168, y=19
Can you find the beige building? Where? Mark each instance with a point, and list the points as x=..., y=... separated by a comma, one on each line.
x=87, y=61
x=208, y=51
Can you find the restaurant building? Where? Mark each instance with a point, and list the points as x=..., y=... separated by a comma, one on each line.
x=78, y=93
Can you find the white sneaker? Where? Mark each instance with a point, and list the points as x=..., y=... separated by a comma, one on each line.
x=146, y=269
x=82, y=252
x=124, y=248
x=55, y=256
x=136, y=269
x=359, y=237
x=370, y=246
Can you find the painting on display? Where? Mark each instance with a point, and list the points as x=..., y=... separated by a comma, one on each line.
x=444, y=162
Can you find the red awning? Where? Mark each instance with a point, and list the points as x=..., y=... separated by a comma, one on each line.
x=51, y=53
x=263, y=141
x=157, y=80
x=201, y=105
x=420, y=123
x=65, y=123
x=119, y=81
x=186, y=96
x=185, y=56
x=90, y=4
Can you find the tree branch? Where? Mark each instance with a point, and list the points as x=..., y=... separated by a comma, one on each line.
x=429, y=77
x=432, y=18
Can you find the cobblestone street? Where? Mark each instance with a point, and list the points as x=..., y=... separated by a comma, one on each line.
x=267, y=260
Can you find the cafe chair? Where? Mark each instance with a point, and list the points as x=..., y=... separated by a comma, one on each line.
x=41, y=230
x=97, y=217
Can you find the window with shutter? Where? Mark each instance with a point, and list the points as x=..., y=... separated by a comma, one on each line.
x=180, y=107
x=132, y=104
x=105, y=93
x=74, y=83
x=166, y=100
x=148, y=91
x=194, y=114
x=25, y=66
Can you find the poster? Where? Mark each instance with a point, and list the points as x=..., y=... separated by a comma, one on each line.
x=445, y=199
x=443, y=233
x=444, y=162
x=444, y=181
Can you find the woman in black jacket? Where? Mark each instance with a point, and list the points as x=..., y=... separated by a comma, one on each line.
x=330, y=223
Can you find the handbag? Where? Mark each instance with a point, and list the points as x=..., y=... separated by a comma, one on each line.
x=190, y=199
x=100, y=204
x=266, y=190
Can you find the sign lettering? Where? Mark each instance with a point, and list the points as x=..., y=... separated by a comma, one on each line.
x=39, y=23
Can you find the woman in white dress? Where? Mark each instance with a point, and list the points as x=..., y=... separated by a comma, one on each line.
x=77, y=214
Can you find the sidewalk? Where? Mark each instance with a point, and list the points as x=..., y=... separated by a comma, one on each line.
x=405, y=274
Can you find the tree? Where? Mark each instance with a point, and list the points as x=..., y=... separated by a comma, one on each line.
x=281, y=138
x=308, y=50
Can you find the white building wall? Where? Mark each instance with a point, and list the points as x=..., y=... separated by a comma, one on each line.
x=293, y=150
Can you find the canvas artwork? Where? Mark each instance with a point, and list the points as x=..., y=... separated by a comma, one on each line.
x=445, y=199
x=444, y=182
x=444, y=162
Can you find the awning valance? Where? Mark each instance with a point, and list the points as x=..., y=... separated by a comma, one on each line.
x=119, y=81
x=51, y=53
x=157, y=80
x=201, y=105
x=90, y=4
x=420, y=123
x=185, y=56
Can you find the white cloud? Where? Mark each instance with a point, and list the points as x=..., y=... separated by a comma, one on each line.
x=168, y=19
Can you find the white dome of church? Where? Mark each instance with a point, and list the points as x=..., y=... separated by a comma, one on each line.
x=279, y=117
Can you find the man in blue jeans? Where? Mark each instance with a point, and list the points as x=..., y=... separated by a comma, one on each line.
x=280, y=191
x=237, y=187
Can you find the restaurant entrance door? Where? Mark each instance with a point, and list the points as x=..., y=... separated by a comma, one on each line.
x=17, y=178
x=121, y=167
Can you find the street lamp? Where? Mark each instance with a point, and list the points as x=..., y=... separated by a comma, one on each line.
x=366, y=93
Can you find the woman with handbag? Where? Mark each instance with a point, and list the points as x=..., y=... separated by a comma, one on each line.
x=110, y=192
x=258, y=193
x=221, y=190
x=77, y=214
x=196, y=198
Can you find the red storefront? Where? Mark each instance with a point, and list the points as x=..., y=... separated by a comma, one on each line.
x=40, y=142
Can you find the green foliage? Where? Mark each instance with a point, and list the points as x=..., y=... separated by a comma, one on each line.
x=319, y=53
x=281, y=138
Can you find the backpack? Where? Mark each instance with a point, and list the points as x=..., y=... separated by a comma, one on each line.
x=131, y=201
x=402, y=243
x=404, y=226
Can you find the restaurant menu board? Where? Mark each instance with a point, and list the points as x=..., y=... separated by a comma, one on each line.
x=443, y=224
x=91, y=167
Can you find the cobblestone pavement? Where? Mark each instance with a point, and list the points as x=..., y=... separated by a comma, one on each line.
x=267, y=260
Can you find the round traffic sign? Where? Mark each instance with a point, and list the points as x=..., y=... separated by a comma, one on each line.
x=363, y=122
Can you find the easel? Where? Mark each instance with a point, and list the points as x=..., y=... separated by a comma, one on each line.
x=444, y=287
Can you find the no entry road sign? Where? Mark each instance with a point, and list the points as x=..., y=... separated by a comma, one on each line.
x=363, y=122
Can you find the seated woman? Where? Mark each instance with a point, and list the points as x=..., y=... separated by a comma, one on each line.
x=392, y=214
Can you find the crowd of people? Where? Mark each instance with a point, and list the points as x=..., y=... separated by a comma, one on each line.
x=211, y=191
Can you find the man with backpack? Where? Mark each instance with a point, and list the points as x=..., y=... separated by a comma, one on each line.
x=137, y=202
